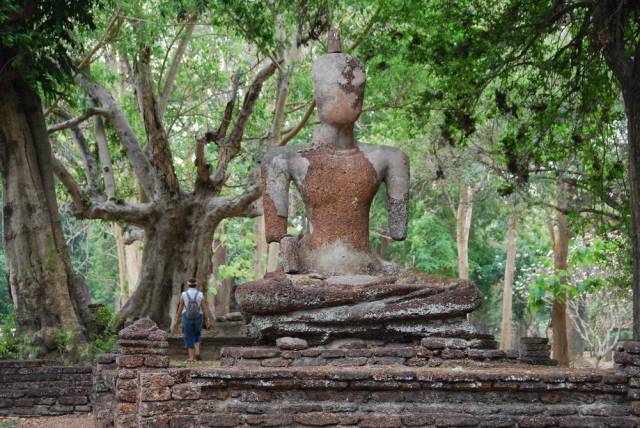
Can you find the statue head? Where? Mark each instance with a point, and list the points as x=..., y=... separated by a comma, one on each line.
x=338, y=85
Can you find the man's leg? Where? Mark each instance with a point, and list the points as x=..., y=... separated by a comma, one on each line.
x=197, y=331
x=197, y=350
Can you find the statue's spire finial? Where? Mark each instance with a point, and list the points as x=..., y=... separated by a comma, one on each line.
x=334, y=45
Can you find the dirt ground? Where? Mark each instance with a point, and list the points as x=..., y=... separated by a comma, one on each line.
x=76, y=421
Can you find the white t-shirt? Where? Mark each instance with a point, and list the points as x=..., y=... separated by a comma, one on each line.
x=194, y=294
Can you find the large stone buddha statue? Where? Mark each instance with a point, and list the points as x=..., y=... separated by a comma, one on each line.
x=331, y=284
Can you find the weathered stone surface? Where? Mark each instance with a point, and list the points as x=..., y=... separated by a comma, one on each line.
x=185, y=391
x=291, y=343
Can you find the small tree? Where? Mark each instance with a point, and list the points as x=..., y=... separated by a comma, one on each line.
x=599, y=318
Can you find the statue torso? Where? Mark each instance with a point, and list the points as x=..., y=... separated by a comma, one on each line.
x=337, y=190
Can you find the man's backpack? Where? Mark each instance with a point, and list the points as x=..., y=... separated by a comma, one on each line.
x=192, y=307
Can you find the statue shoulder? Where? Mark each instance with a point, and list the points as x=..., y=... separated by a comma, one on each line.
x=384, y=155
x=284, y=153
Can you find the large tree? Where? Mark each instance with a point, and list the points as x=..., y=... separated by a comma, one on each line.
x=177, y=214
x=47, y=295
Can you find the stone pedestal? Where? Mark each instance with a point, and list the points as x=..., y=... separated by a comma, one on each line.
x=385, y=391
x=401, y=307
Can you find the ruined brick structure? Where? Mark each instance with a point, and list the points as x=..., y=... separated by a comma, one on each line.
x=150, y=394
x=44, y=388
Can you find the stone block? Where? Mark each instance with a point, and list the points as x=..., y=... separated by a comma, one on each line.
x=258, y=352
x=126, y=384
x=359, y=352
x=393, y=351
x=453, y=354
x=418, y=420
x=433, y=343
x=156, y=379
x=457, y=421
x=130, y=361
x=275, y=362
x=156, y=361
x=269, y=420
x=127, y=395
x=332, y=353
x=379, y=421
x=220, y=420
x=291, y=343
x=127, y=374
x=155, y=393
x=348, y=362
x=386, y=361
x=308, y=361
x=317, y=419
x=536, y=421
x=73, y=400
x=185, y=391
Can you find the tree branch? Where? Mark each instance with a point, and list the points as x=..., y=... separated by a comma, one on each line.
x=230, y=146
x=203, y=168
x=161, y=156
x=141, y=166
x=235, y=206
x=175, y=66
x=70, y=184
x=106, y=210
x=90, y=167
x=75, y=121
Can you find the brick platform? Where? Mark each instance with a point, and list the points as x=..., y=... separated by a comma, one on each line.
x=150, y=394
x=431, y=352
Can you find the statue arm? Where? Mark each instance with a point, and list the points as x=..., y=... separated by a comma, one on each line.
x=397, y=182
x=275, y=197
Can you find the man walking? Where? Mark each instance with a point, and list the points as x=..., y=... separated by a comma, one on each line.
x=191, y=312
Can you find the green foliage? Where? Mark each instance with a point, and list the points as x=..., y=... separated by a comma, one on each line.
x=13, y=345
x=592, y=266
x=36, y=38
x=106, y=320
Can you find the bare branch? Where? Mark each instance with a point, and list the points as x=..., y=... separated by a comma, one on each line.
x=301, y=125
x=137, y=213
x=141, y=166
x=162, y=158
x=90, y=167
x=175, y=66
x=235, y=206
x=203, y=169
x=230, y=146
x=132, y=213
x=75, y=121
x=70, y=184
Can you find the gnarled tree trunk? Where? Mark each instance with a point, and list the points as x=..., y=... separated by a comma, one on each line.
x=46, y=293
x=177, y=247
